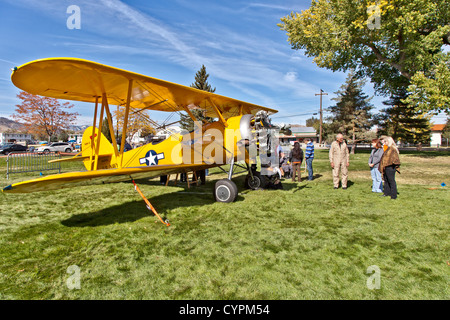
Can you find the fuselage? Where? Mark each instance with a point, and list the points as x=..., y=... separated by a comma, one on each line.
x=213, y=144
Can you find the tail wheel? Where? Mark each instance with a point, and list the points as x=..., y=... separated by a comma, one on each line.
x=225, y=191
x=255, y=181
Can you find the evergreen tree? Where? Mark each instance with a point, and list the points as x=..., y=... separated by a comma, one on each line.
x=313, y=122
x=201, y=83
x=351, y=115
x=105, y=130
x=201, y=80
x=403, y=122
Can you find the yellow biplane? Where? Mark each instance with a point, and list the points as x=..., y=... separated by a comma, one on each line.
x=226, y=140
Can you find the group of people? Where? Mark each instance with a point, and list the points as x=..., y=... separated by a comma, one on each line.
x=291, y=165
x=384, y=162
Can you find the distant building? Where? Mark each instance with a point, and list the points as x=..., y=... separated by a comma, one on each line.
x=15, y=137
x=436, y=134
x=77, y=137
x=167, y=132
x=299, y=133
x=136, y=139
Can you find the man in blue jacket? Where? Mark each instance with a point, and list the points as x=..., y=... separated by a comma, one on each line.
x=309, y=157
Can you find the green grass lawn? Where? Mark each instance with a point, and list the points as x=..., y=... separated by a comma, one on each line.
x=307, y=241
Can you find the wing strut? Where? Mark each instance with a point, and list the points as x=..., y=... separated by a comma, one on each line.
x=97, y=145
x=149, y=205
x=190, y=114
x=93, y=134
x=125, y=122
x=110, y=125
x=219, y=114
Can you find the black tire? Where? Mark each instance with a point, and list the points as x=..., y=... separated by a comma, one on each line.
x=46, y=151
x=225, y=191
x=68, y=150
x=257, y=182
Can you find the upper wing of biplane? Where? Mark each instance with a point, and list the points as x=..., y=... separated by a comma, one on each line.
x=82, y=80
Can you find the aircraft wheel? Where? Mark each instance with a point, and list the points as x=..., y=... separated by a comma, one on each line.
x=256, y=182
x=225, y=191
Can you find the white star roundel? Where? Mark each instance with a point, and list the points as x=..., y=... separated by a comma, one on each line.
x=151, y=158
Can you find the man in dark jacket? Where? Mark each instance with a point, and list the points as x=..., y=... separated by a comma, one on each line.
x=296, y=159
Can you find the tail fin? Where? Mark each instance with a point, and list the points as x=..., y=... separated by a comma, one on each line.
x=106, y=157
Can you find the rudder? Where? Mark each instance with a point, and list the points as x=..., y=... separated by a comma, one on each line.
x=106, y=157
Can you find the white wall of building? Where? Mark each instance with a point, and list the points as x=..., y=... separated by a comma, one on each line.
x=7, y=137
x=435, y=138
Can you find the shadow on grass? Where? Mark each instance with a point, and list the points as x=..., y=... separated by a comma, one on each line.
x=136, y=210
x=301, y=187
x=188, y=197
x=127, y=212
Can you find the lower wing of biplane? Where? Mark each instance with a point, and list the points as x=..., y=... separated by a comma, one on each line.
x=225, y=140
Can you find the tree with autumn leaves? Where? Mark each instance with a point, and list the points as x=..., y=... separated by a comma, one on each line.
x=138, y=122
x=43, y=116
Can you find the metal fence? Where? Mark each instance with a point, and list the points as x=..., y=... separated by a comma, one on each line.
x=31, y=162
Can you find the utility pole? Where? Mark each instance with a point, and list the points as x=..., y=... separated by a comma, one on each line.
x=321, y=119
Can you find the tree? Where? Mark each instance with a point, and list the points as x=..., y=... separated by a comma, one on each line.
x=43, y=116
x=313, y=122
x=430, y=90
x=201, y=83
x=351, y=115
x=381, y=40
x=138, y=121
x=105, y=129
x=446, y=131
x=63, y=135
x=402, y=121
x=201, y=80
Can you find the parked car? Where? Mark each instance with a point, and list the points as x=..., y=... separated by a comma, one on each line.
x=10, y=148
x=55, y=147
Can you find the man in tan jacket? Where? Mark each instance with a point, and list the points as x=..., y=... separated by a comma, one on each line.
x=339, y=160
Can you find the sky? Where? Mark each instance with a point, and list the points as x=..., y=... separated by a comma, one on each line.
x=245, y=53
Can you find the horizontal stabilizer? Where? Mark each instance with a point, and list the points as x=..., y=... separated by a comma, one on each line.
x=78, y=158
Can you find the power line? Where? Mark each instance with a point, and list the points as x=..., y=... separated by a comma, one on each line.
x=296, y=115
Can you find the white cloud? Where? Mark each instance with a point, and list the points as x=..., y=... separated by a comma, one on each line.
x=8, y=62
x=290, y=76
x=249, y=61
x=241, y=60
